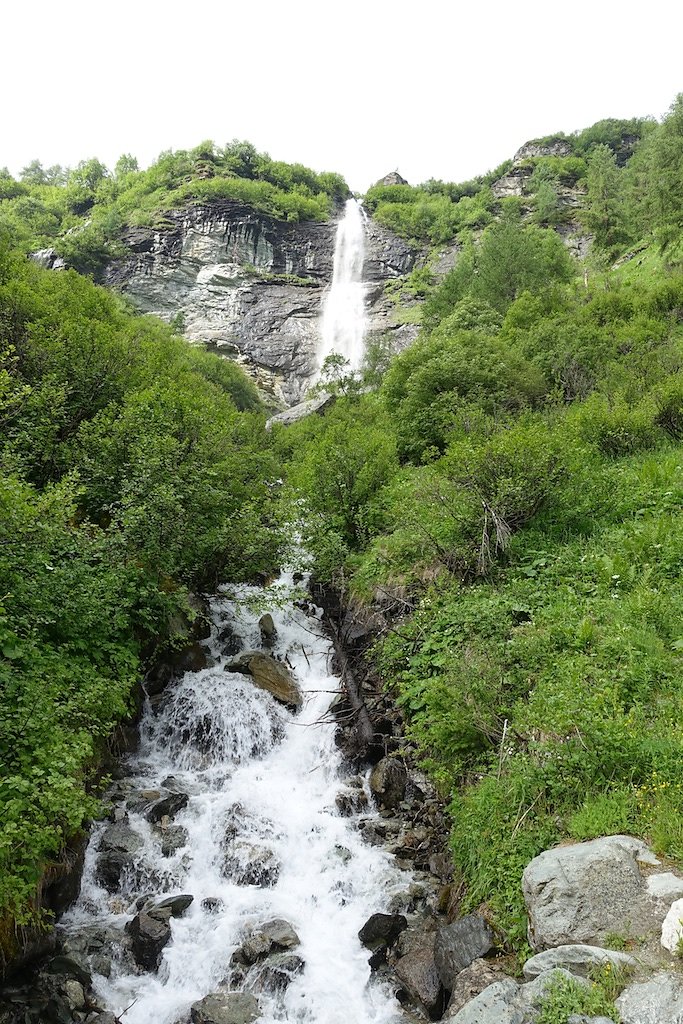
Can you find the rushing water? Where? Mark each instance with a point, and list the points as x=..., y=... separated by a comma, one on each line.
x=262, y=783
x=344, y=320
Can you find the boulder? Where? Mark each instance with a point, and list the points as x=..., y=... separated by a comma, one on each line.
x=506, y=1002
x=278, y=972
x=280, y=933
x=469, y=983
x=659, y=1000
x=174, y=905
x=111, y=866
x=382, y=930
x=458, y=944
x=167, y=807
x=672, y=928
x=302, y=409
x=388, y=782
x=149, y=935
x=120, y=837
x=420, y=979
x=581, y=893
x=173, y=838
x=578, y=959
x=225, y=1008
x=268, y=630
x=271, y=675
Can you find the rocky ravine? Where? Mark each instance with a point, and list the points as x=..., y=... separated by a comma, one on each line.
x=250, y=286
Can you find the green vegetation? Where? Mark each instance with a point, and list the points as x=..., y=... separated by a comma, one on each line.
x=566, y=996
x=82, y=212
x=509, y=493
x=132, y=467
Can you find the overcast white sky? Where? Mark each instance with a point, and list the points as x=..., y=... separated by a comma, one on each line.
x=431, y=88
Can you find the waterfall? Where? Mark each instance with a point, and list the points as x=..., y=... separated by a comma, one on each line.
x=344, y=321
x=254, y=833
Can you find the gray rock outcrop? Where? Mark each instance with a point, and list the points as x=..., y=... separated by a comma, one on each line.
x=578, y=959
x=248, y=285
x=388, y=781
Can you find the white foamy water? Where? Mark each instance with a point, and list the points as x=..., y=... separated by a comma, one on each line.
x=344, y=320
x=259, y=778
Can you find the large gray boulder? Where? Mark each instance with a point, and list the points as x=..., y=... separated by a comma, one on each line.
x=382, y=930
x=469, y=983
x=225, y=1008
x=656, y=1001
x=458, y=944
x=269, y=674
x=578, y=959
x=582, y=893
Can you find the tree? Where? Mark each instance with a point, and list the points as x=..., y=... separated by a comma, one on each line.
x=126, y=164
x=605, y=212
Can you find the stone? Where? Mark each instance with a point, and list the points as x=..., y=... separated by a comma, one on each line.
x=577, y=959
x=420, y=978
x=273, y=676
x=173, y=838
x=280, y=933
x=659, y=1000
x=268, y=630
x=351, y=801
x=393, y=178
x=175, y=905
x=71, y=966
x=469, y=983
x=497, y=1004
x=167, y=807
x=458, y=944
x=212, y=904
x=582, y=893
x=75, y=995
x=299, y=411
x=672, y=927
x=120, y=837
x=149, y=936
x=111, y=866
x=664, y=887
x=278, y=972
x=382, y=930
x=229, y=641
x=388, y=782
x=225, y=1008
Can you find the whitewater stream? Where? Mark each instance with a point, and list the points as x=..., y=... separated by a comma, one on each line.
x=264, y=839
x=344, y=318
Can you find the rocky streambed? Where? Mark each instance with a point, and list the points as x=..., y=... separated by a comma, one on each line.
x=271, y=854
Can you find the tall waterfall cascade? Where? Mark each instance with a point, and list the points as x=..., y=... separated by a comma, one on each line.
x=344, y=317
x=253, y=833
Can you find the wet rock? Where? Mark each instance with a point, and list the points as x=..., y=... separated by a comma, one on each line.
x=268, y=630
x=578, y=959
x=655, y=1001
x=252, y=865
x=388, y=782
x=280, y=933
x=582, y=893
x=110, y=869
x=469, y=983
x=225, y=1008
x=175, y=905
x=420, y=978
x=254, y=948
x=230, y=643
x=350, y=802
x=458, y=944
x=75, y=994
x=167, y=807
x=173, y=838
x=271, y=675
x=278, y=972
x=120, y=838
x=72, y=967
x=149, y=936
x=382, y=930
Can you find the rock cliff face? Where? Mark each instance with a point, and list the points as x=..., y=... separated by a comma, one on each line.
x=249, y=286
